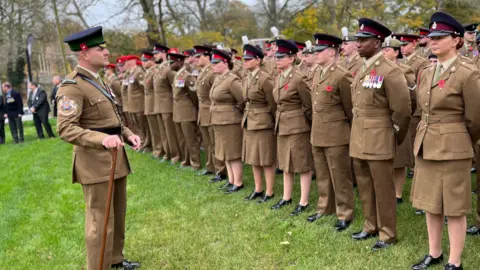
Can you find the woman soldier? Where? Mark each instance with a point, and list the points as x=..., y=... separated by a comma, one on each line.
x=258, y=121
x=448, y=97
x=403, y=155
x=292, y=125
x=226, y=116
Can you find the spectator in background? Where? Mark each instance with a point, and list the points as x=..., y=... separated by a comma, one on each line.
x=38, y=105
x=56, y=80
x=14, y=112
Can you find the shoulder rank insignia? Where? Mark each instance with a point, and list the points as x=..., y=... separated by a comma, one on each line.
x=68, y=81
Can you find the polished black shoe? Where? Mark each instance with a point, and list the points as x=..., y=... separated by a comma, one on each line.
x=226, y=186
x=474, y=192
x=410, y=174
x=473, y=230
x=299, y=209
x=473, y=170
x=217, y=178
x=363, y=235
x=381, y=245
x=266, y=198
x=314, y=217
x=450, y=266
x=254, y=195
x=278, y=171
x=419, y=212
x=399, y=201
x=127, y=265
x=281, y=204
x=342, y=225
x=203, y=173
x=427, y=261
x=233, y=189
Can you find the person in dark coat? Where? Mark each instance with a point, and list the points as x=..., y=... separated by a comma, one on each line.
x=14, y=111
x=38, y=105
x=56, y=80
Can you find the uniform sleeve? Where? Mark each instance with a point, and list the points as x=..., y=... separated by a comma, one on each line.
x=268, y=89
x=305, y=94
x=398, y=96
x=422, y=65
x=213, y=78
x=116, y=87
x=471, y=99
x=236, y=91
x=411, y=82
x=190, y=84
x=170, y=76
x=346, y=93
x=70, y=106
x=127, y=133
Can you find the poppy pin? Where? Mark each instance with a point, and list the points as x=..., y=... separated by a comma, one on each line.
x=286, y=87
x=329, y=88
x=441, y=83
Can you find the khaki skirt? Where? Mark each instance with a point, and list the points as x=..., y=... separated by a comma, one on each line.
x=228, y=142
x=259, y=147
x=294, y=153
x=404, y=154
x=442, y=187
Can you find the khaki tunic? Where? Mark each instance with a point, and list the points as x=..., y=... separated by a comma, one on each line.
x=147, y=84
x=352, y=65
x=226, y=116
x=423, y=52
x=269, y=65
x=292, y=122
x=258, y=120
x=311, y=73
x=162, y=87
x=469, y=51
x=443, y=144
x=125, y=101
x=203, y=86
x=116, y=85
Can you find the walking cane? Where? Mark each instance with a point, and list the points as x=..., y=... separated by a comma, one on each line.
x=107, y=210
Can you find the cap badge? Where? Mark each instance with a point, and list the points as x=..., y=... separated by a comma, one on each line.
x=434, y=25
x=83, y=47
x=362, y=26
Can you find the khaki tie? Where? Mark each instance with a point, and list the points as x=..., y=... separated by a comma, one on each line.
x=438, y=73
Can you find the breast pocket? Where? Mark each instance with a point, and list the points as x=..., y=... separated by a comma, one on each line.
x=378, y=137
x=368, y=96
x=99, y=108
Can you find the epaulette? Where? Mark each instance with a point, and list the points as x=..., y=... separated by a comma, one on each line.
x=342, y=68
x=468, y=65
x=67, y=81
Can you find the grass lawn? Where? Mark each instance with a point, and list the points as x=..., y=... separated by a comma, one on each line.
x=176, y=220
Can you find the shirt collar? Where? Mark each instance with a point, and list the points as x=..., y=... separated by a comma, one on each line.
x=254, y=72
x=411, y=56
x=95, y=75
x=446, y=65
x=350, y=59
x=287, y=71
x=324, y=69
x=372, y=60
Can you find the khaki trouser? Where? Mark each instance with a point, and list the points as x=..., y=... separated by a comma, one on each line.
x=187, y=131
x=477, y=167
x=171, y=135
x=95, y=196
x=377, y=193
x=163, y=136
x=142, y=129
x=212, y=164
x=334, y=181
x=155, y=134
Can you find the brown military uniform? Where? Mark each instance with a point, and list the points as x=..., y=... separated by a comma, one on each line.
x=292, y=122
x=381, y=108
x=352, y=64
x=259, y=142
x=185, y=104
x=85, y=117
x=303, y=67
x=226, y=116
x=238, y=68
x=152, y=122
x=269, y=65
x=423, y=52
x=311, y=73
x=136, y=99
x=330, y=137
x=469, y=50
x=125, y=101
x=163, y=107
x=443, y=145
x=203, y=87
x=116, y=85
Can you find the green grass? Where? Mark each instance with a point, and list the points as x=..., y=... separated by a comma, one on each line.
x=176, y=220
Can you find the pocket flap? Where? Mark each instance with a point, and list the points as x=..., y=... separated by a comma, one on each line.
x=377, y=123
x=222, y=108
x=294, y=113
x=334, y=116
x=96, y=100
x=262, y=110
x=453, y=128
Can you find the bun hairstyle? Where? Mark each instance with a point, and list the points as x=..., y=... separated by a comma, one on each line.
x=230, y=65
x=460, y=43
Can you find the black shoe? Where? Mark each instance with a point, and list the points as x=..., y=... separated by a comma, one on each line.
x=127, y=265
x=226, y=186
x=233, y=189
x=473, y=230
x=474, y=192
x=419, y=212
x=314, y=217
x=450, y=266
x=266, y=199
x=473, y=170
x=217, y=178
x=278, y=171
x=445, y=220
x=399, y=201
x=342, y=225
x=410, y=174
x=427, y=261
x=206, y=172
x=299, y=209
x=254, y=195
x=381, y=245
x=281, y=204
x=363, y=235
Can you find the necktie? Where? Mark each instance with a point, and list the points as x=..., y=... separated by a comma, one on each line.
x=438, y=73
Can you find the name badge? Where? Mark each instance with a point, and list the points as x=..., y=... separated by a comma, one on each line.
x=180, y=83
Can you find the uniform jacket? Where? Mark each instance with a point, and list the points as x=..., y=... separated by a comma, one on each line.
x=116, y=85
x=82, y=108
x=450, y=112
x=381, y=112
x=423, y=52
x=39, y=102
x=269, y=66
x=185, y=101
x=294, y=103
x=227, y=101
x=14, y=103
x=136, y=93
x=332, y=107
x=417, y=63
x=147, y=83
x=469, y=51
x=162, y=87
x=352, y=65
x=3, y=106
x=125, y=101
x=311, y=73
x=260, y=105
x=203, y=87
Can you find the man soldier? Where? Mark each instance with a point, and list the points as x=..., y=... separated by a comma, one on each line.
x=352, y=61
x=269, y=63
x=189, y=61
x=310, y=62
x=330, y=135
x=381, y=109
x=125, y=102
x=136, y=100
x=89, y=119
x=163, y=104
x=113, y=82
x=469, y=48
x=203, y=86
x=38, y=104
x=185, y=104
x=153, y=130
x=300, y=60
x=14, y=111
x=56, y=80
x=423, y=48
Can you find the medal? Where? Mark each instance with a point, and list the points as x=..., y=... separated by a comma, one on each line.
x=180, y=83
x=366, y=80
x=380, y=82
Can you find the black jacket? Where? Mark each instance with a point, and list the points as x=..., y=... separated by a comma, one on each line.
x=39, y=102
x=14, y=103
x=3, y=107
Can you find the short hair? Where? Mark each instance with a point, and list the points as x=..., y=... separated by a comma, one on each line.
x=58, y=77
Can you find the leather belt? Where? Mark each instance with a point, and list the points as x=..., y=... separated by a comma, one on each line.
x=434, y=119
x=109, y=131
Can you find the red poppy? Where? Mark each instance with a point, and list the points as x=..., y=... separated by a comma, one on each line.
x=286, y=87
x=441, y=83
x=372, y=73
x=353, y=74
x=329, y=88
x=470, y=48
